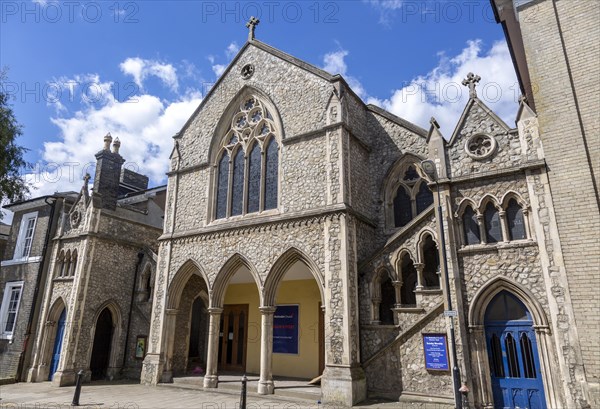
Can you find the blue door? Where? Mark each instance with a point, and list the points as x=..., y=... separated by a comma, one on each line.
x=60, y=331
x=512, y=349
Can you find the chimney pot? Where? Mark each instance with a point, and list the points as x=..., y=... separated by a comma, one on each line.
x=107, y=141
x=116, y=145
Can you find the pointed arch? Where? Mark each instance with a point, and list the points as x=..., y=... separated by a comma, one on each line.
x=462, y=206
x=494, y=286
x=511, y=194
x=56, y=309
x=222, y=126
x=398, y=256
x=281, y=266
x=224, y=275
x=485, y=200
x=189, y=268
x=422, y=236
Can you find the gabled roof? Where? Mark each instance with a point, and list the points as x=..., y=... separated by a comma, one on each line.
x=463, y=117
x=396, y=119
x=307, y=67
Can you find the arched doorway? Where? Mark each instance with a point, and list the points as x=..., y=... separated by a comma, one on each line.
x=102, y=345
x=513, y=354
x=58, y=339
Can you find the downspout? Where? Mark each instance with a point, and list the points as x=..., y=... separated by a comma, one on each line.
x=137, y=271
x=37, y=287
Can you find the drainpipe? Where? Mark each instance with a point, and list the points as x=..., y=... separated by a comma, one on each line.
x=137, y=271
x=37, y=287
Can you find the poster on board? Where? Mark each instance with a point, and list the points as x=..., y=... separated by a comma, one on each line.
x=285, y=329
x=435, y=349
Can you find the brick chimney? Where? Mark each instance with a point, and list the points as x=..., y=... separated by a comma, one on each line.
x=108, y=172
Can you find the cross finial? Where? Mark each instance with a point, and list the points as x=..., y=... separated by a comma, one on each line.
x=251, y=24
x=471, y=82
x=86, y=179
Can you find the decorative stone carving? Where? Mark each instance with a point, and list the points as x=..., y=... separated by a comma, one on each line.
x=481, y=146
x=247, y=71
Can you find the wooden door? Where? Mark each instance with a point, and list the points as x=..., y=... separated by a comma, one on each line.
x=233, y=338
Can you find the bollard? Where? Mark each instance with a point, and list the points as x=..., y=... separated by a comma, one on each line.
x=77, y=388
x=464, y=391
x=243, y=394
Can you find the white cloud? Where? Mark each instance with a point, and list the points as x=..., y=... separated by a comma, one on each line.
x=334, y=63
x=386, y=8
x=144, y=124
x=232, y=50
x=439, y=93
x=140, y=69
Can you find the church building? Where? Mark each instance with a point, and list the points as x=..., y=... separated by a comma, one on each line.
x=308, y=234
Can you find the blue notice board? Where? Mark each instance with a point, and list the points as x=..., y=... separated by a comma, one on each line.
x=285, y=329
x=436, y=352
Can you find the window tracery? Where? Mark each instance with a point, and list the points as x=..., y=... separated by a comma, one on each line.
x=409, y=195
x=248, y=166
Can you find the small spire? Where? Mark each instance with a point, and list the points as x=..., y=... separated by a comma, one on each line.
x=251, y=24
x=116, y=145
x=434, y=123
x=107, y=141
x=471, y=82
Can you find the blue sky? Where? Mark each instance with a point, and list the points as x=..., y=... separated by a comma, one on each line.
x=137, y=69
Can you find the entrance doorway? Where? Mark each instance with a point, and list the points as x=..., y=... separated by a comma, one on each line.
x=58, y=339
x=102, y=345
x=513, y=354
x=233, y=338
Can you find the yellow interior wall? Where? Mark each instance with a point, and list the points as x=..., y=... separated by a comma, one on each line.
x=306, y=294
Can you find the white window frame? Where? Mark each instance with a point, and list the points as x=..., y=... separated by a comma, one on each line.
x=20, y=247
x=8, y=289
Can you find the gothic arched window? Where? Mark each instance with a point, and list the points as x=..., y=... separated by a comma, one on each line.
x=410, y=197
x=248, y=170
x=222, y=186
x=493, y=230
x=516, y=221
x=471, y=227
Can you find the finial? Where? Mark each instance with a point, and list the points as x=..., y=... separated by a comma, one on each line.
x=107, y=141
x=471, y=82
x=434, y=122
x=522, y=98
x=86, y=180
x=116, y=145
x=251, y=24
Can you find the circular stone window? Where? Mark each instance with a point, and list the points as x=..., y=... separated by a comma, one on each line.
x=75, y=218
x=480, y=146
x=247, y=71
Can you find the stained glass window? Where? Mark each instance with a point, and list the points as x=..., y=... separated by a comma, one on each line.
x=237, y=193
x=402, y=207
x=222, y=186
x=411, y=174
x=424, y=197
x=471, y=227
x=493, y=231
x=515, y=220
x=271, y=174
x=254, y=179
x=250, y=126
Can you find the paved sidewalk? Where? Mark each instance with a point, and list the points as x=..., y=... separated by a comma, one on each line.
x=120, y=395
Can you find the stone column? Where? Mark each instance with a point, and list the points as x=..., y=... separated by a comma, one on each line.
x=526, y=223
x=504, y=226
x=420, y=280
x=480, y=222
x=170, y=321
x=343, y=382
x=211, y=379
x=265, y=384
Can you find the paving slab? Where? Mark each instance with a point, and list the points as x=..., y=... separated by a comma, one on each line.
x=126, y=395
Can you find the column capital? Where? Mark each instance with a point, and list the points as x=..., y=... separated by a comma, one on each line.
x=267, y=309
x=215, y=310
x=419, y=266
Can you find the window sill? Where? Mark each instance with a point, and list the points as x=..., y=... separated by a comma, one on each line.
x=63, y=279
x=482, y=248
x=409, y=310
x=25, y=260
x=249, y=216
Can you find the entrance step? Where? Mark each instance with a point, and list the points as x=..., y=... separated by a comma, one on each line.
x=288, y=389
